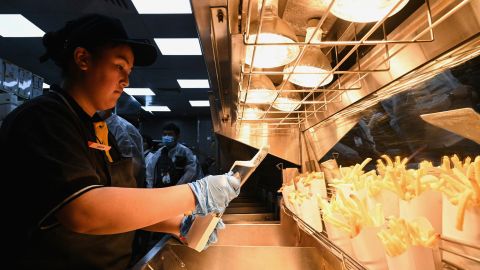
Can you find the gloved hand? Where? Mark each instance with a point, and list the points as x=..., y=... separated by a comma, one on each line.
x=187, y=223
x=214, y=192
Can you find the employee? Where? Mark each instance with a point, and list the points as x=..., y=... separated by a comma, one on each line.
x=73, y=202
x=129, y=141
x=174, y=163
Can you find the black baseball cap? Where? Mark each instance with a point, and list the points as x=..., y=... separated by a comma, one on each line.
x=97, y=28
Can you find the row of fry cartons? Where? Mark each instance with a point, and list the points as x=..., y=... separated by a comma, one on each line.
x=392, y=217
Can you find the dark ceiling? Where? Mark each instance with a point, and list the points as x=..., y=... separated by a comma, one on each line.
x=161, y=77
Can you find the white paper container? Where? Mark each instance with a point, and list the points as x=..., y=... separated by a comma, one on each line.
x=348, y=189
x=340, y=238
x=368, y=249
x=318, y=186
x=302, y=188
x=310, y=213
x=428, y=205
x=285, y=191
x=389, y=201
x=471, y=223
x=415, y=258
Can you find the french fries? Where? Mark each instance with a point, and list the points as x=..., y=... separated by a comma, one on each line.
x=458, y=180
x=460, y=183
x=406, y=183
x=350, y=213
x=359, y=179
x=400, y=235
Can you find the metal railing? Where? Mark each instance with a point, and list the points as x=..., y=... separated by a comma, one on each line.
x=348, y=262
x=347, y=47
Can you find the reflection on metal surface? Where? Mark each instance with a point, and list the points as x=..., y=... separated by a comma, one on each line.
x=249, y=257
x=324, y=137
x=252, y=246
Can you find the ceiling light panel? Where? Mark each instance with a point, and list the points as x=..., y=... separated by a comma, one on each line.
x=156, y=108
x=199, y=103
x=179, y=46
x=139, y=91
x=15, y=25
x=162, y=6
x=184, y=83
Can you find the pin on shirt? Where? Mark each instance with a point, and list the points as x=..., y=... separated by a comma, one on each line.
x=98, y=146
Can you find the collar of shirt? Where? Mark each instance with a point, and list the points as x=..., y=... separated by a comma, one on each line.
x=78, y=110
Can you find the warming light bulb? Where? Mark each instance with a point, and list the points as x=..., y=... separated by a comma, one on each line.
x=258, y=96
x=251, y=114
x=269, y=56
x=287, y=101
x=313, y=61
x=273, y=30
x=261, y=90
x=364, y=11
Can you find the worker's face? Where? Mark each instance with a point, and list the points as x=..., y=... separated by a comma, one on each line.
x=106, y=75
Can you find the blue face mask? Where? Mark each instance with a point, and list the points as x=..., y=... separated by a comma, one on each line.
x=168, y=140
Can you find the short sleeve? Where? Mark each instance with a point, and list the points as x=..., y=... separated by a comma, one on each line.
x=48, y=149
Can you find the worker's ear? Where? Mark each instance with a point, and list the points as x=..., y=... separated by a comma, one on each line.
x=82, y=58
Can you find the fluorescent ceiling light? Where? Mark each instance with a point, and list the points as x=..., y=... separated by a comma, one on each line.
x=179, y=46
x=156, y=108
x=139, y=91
x=199, y=103
x=15, y=25
x=162, y=6
x=193, y=83
x=46, y=85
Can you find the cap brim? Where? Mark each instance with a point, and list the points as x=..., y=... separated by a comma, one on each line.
x=144, y=54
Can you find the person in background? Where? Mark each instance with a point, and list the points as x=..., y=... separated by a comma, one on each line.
x=129, y=141
x=147, y=146
x=174, y=163
x=70, y=199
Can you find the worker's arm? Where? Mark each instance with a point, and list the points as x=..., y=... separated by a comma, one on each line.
x=171, y=226
x=110, y=210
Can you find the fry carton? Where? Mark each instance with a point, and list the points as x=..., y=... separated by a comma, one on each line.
x=470, y=233
x=368, y=249
x=428, y=205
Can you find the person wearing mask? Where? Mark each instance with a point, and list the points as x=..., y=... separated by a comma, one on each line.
x=174, y=163
x=77, y=205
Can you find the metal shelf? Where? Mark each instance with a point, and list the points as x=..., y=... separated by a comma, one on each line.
x=347, y=261
x=317, y=99
x=450, y=246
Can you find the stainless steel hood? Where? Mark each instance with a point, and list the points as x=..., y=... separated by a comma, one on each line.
x=366, y=59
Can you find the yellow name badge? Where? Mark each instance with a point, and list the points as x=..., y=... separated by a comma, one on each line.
x=98, y=146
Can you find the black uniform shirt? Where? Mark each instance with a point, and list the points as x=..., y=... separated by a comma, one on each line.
x=47, y=163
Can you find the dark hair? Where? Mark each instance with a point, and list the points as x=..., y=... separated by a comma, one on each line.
x=148, y=140
x=172, y=126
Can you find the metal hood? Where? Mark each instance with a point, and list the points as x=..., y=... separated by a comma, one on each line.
x=366, y=59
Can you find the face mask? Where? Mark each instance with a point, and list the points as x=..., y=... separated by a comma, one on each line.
x=168, y=140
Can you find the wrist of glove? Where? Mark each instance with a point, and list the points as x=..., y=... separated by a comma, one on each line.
x=186, y=224
x=214, y=192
